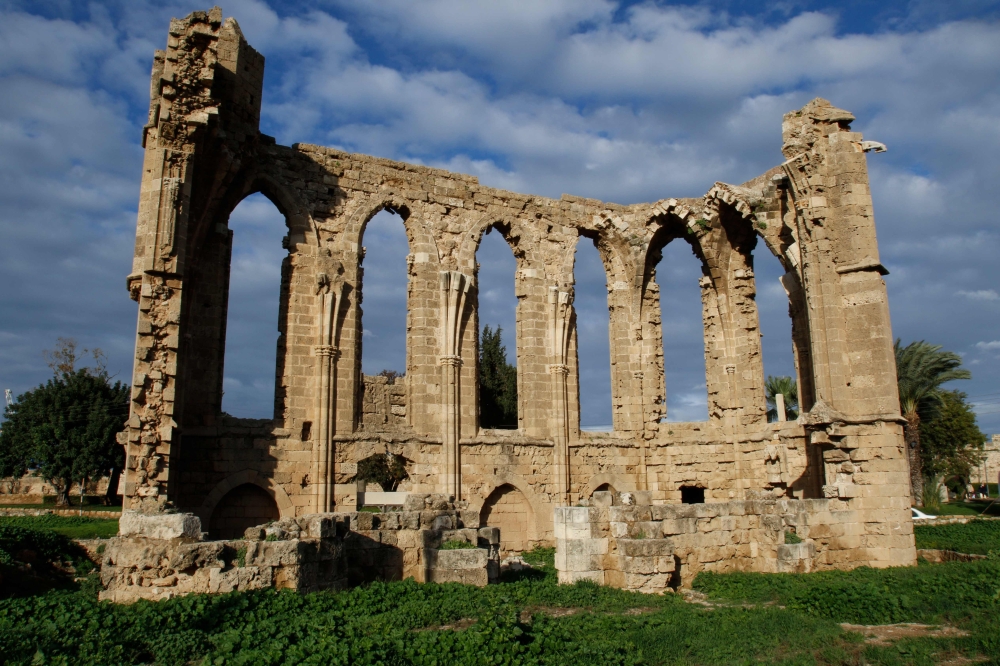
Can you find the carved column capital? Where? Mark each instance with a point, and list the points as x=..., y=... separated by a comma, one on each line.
x=451, y=360
x=327, y=350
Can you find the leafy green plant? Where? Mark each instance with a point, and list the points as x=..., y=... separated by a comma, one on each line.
x=541, y=557
x=791, y=537
x=456, y=544
x=931, y=496
x=523, y=622
x=702, y=223
x=33, y=560
x=241, y=556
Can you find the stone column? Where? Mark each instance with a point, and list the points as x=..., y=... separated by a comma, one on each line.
x=330, y=289
x=560, y=316
x=454, y=289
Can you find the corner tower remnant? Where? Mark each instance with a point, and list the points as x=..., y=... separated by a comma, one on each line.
x=205, y=154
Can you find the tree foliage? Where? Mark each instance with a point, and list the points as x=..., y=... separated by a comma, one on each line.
x=921, y=369
x=951, y=442
x=787, y=387
x=391, y=375
x=497, y=383
x=386, y=469
x=66, y=427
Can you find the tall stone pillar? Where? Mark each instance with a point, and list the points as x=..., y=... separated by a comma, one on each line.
x=454, y=289
x=329, y=291
x=202, y=128
x=560, y=303
x=855, y=426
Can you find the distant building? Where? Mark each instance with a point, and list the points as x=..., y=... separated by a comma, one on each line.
x=990, y=467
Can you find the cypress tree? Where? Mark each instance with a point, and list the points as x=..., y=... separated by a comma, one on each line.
x=497, y=382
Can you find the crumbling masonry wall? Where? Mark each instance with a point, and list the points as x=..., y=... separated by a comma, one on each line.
x=205, y=154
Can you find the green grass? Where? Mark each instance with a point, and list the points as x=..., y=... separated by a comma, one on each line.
x=74, y=527
x=753, y=619
x=455, y=544
x=978, y=537
x=968, y=508
x=962, y=594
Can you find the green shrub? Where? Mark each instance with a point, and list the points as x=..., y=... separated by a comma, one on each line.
x=540, y=557
x=792, y=537
x=35, y=560
x=456, y=544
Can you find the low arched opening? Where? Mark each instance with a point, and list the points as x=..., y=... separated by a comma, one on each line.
x=244, y=506
x=508, y=509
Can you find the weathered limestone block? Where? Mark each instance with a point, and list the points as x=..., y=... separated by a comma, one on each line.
x=468, y=565
x=240, y=578
x=206, y=554
x=159, y=525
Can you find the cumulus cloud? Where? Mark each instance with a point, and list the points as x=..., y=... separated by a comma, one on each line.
x=993, y=345
x=624, y=103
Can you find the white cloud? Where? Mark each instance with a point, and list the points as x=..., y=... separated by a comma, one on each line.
x=981, y=295
x=624, y=104
x=993, y=345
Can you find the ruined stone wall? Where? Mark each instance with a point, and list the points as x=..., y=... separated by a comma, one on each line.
x=158, y=557
x=623, y=541
x=204, y=154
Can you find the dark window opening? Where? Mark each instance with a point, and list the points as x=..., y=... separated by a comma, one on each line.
x=692, y=495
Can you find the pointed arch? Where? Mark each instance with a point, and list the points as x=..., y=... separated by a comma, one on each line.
x=263, y=481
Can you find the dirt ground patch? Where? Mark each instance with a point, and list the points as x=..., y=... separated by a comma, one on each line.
x=886, y=634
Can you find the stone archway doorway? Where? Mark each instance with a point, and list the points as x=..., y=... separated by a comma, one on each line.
x=242, y=507
x=508, y=509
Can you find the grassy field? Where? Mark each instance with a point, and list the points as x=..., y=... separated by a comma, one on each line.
x=980, y=507
x=73, y=527
x=979, y=537
x=528, y=619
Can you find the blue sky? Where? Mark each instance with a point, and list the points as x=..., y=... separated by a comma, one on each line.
x=624, y=102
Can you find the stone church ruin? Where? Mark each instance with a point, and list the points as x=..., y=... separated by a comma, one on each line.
x=716, y=494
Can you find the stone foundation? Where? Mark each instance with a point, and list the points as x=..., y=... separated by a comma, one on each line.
x=651, y=548
x=158, y=556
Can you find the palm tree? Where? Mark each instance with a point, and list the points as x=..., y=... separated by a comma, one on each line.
x=787, y=387
x=921, y=369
